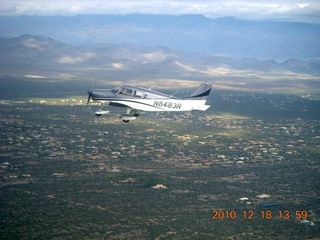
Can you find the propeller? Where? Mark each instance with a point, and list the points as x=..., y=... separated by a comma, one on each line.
x=90, y=93
x=89, y=97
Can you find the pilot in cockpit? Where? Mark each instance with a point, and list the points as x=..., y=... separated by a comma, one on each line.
x=126, y=91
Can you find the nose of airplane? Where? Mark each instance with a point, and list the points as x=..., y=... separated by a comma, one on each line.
x=100, y=94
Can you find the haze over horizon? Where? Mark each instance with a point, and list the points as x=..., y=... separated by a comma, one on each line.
x=283, y=10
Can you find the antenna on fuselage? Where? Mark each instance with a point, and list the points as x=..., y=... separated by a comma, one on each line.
x=153, y=86
x=174, y=93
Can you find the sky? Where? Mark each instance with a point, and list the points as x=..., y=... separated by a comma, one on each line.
x=289, y=10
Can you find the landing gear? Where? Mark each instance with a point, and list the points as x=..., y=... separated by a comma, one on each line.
x=126, y=118
x=101, y=112
x=131, y=114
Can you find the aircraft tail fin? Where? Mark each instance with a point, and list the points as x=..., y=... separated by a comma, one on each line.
x=201, y=92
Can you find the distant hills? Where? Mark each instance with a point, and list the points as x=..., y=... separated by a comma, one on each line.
x=38, y=56
x=226, y=37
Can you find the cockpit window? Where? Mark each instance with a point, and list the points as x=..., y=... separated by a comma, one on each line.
x=126, y=91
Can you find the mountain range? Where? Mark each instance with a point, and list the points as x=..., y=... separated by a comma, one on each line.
x=31, y=55
x=226, y=37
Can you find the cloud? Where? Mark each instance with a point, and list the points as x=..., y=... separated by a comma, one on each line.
x=72, y=60
x=251, y=9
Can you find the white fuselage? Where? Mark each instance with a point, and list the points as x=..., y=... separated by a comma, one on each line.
x=161, y=104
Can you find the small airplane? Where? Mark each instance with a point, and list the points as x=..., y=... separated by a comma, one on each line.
x=137, y=100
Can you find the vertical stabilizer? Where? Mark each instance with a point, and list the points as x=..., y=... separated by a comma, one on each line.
x=201, y=92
